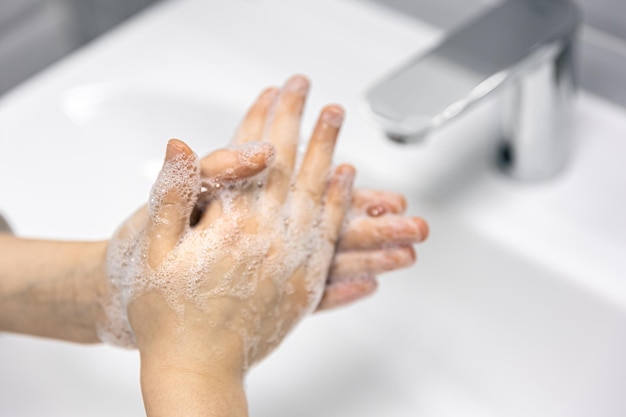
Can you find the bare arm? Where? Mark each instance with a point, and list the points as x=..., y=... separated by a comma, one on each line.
x=51, y=288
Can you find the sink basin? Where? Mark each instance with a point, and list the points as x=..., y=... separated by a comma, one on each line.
x=516, y=307
x=98, y=143
x=502, y=337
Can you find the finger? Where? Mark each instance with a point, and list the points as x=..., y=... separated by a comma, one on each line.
x=382, y=232
x=346, y=292
x=337, y=201
x=225, y=167
x=284, y=133
x=253, y=126
x=237, y=163
x=228, y=166
x=172, y=199
x=348, y=265
x=313, y=176
x=376, y=203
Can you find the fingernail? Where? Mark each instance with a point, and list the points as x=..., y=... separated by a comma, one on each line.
x=421, y=226
x=298, y=84
x=174, y=147
x=345, y=175
x=403, y=204
x=347, y=172
x=270, y=94
x=333, y=115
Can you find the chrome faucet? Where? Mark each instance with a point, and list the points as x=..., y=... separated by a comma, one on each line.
x=523, y=50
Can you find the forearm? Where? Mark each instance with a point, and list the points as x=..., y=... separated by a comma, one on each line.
x=51, y=288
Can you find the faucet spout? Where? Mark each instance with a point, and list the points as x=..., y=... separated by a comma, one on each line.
x=524, y=50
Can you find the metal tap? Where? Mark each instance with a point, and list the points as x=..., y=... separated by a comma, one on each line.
x=522, y=50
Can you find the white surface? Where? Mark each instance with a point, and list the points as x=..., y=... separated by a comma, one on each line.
x=516, y=307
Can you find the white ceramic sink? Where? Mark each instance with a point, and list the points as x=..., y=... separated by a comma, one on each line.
x=517, y=306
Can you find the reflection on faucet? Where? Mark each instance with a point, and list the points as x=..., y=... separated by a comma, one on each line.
x=525, y=46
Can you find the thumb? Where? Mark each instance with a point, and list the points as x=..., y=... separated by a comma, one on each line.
x=172, y=199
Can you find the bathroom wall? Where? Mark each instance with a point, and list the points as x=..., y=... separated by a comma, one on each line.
x=604, y=48
x=97, y=16
x=607, y=15
x=35, y=33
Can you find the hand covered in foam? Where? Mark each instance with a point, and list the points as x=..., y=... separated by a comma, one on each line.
x=256, y=261
x=221, y=252
x=376, y=236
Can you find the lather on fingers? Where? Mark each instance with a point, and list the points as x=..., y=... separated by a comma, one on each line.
x=364, y=233
x=283, y=133
x=376, y=203
x=172, y=200
x=375, y=223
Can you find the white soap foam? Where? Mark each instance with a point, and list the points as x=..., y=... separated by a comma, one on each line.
x=180, y=175
x=224, y=260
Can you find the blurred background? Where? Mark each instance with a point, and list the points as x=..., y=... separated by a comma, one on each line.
x=36, y=33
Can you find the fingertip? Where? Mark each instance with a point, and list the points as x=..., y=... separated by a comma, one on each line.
x=421, y=226
x=342, y=182
x=237, y=163
x=176, y=147
x=346, y=171
x=269, y=95
x=333, y=115
x=253, y=158
x=298, y=83
x=411, y=255
x=253, y=125
x=402, y=202
x=267, y=152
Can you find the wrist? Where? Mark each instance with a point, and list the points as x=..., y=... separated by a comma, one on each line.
x=178, y=378
x=183, y=339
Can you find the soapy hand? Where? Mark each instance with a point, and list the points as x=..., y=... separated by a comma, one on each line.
x=376, y=237
x=239, y=244
x=254, y=264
